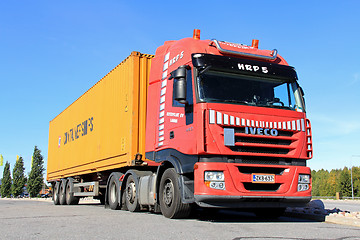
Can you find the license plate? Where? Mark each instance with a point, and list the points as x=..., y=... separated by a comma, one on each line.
x=263, y=178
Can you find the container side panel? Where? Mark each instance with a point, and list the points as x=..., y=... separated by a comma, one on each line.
x=96, y=132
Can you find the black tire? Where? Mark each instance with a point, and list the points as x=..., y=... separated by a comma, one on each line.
x=269, y=213
x=56, y=194
x=62, y=197
x=131, y=196
x=69, y=193
x=113, y=193
x=123, y=201
x=170, y=196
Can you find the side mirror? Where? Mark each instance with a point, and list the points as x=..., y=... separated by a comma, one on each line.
x=179, y=76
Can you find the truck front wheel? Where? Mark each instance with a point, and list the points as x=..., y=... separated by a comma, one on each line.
x=170, y=196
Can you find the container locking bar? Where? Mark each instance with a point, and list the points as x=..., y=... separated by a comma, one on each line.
x=222, y=50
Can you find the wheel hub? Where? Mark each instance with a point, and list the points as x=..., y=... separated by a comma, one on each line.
x=168, y=194
x=131, y=192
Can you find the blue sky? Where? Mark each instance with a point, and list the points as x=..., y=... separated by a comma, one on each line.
x=52, y=52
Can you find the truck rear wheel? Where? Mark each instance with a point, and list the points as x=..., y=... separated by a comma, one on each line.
x=113, y=193
x=170, y=196
x=131, y=200
x=56, y=195
x=69, y=193
x=62, y=197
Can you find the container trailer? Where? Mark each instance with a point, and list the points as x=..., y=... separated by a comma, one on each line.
x=203, y=123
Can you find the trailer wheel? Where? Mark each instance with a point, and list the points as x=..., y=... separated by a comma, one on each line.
x=113, y=193
x=170, y=196
x=56, y=195
x=62, y=197
x=131, y=199
x=69, y=193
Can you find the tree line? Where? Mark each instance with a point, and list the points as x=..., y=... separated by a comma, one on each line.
x=328, y=183
x=14, y=186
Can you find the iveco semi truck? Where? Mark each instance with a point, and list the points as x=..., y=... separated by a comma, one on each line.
x=203, y=123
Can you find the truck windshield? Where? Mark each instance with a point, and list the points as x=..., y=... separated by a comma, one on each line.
x=215, y=86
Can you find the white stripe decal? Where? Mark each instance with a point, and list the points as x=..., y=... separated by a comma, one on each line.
x=162, y=106
x=243, y=122
x=161, y=139
x=162, y=114
x=163, y=91
x=162, y=99
x=303, y=125
x=232, y=120
x=218, y=118
x=163, y=84
x=211, y=116
x=226, y=119
x=161, y=127
x=161, y=133
x=162, y=120
x=166, y=65
x=167, y=56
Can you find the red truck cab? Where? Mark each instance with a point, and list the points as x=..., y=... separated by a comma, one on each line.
x=231, y=120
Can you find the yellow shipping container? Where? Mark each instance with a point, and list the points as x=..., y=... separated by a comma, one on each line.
x=105, y=128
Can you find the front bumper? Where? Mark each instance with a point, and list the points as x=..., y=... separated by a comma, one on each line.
x=240, y=192
x=250, y=201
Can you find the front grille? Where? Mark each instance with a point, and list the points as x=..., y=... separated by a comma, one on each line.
x=259, y=150
x=263, y=144
x=263, y=140
x=261, y=187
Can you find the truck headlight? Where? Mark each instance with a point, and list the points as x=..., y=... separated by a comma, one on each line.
x=303, y=182
x=215, y=179
x=304, y=178
x=214, y=176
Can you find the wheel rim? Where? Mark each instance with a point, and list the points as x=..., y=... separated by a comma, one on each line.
x=67, y=193
x=113, y=192
x=56, y=193
x=131, y=192
x=168, y=193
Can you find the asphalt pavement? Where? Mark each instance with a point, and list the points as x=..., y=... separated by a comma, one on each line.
x=40, y=219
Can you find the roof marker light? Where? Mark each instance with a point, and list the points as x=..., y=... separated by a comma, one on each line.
x=196, y=34
x=255, y=43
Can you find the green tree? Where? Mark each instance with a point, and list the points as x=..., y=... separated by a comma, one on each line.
x=19, y=179
x=36, y=178
x=345, y=182
x=315, y=183
x=6, y=181
x=356, y=181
